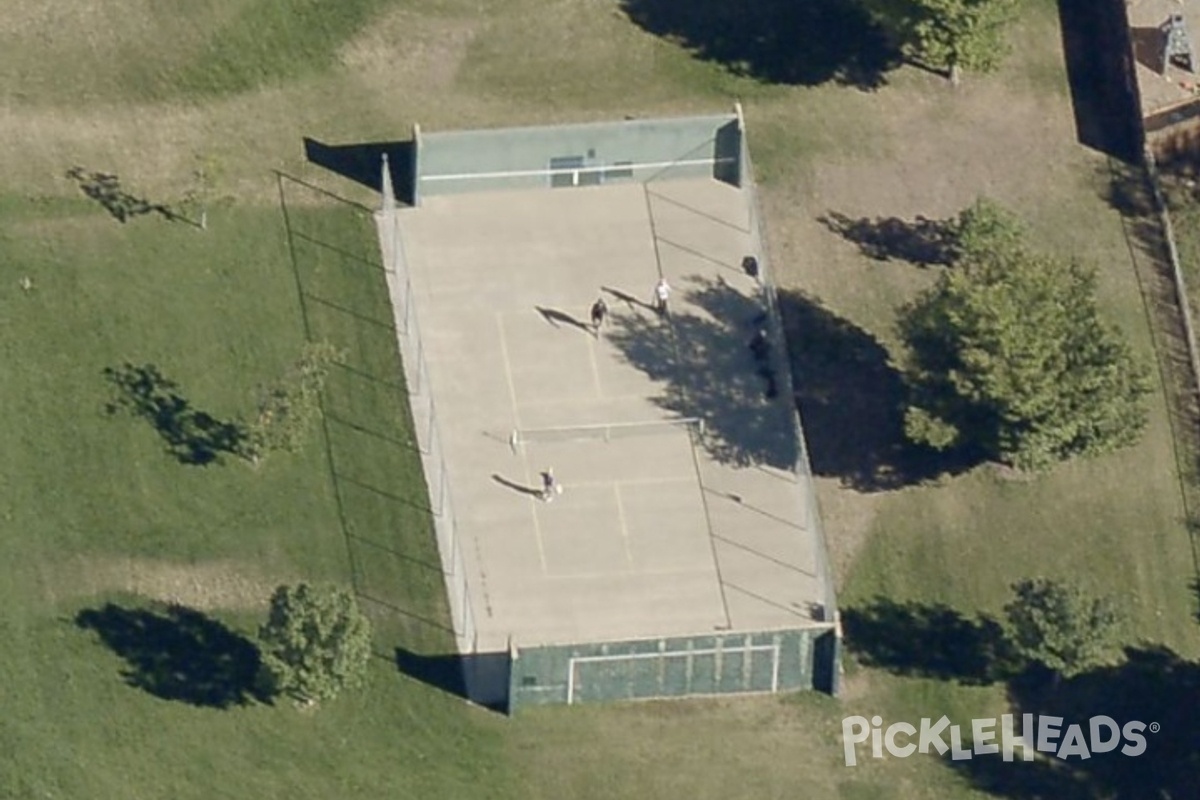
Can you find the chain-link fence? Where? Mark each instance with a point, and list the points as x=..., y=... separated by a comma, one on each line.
x=803, y=466
x=425, y=423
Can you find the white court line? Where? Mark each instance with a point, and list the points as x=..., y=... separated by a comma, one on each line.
x=626, y=573
x=630, y=482
x=595, y=368
x=512, y=394
x=508, y=372
x=621, y=519
x=556, y=401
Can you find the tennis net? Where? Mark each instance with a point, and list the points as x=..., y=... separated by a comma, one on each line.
x=605, y=432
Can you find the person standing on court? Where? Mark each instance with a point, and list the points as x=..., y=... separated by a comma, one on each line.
x=599, y=314
x=662, y=292
x=550, y=486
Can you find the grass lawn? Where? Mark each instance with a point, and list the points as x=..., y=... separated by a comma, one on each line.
x=111, y=694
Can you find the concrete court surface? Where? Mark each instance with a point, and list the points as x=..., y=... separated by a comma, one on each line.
x=652, y=536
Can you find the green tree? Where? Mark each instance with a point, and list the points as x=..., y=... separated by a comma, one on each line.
x=287, y=408
x=988, y=230
x=952, y=35
x=315, y=643
x=1060, y=626
x=1009, y=354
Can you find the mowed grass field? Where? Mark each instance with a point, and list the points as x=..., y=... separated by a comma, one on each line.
x=108, y=694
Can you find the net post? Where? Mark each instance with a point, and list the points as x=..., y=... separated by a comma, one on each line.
x=513, y=440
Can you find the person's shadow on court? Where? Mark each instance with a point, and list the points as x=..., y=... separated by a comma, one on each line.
x=516, y=487
x=627, y=298
x=554, y=317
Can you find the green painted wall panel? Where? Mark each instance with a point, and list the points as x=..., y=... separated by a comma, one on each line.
x=468, y=161
x=671, y=667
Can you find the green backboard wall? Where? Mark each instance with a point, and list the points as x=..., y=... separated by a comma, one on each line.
x=729, y=663
x=578, y=155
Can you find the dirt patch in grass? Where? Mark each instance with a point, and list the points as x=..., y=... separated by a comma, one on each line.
x=406, y=46
x=208, y=586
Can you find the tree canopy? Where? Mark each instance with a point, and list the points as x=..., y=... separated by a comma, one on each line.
x=1009, y=354
x=950, y=35
x=288, y=407
x=315, y=643
x=1059, y=626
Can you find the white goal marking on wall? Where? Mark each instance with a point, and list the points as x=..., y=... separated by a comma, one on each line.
x=773, y=649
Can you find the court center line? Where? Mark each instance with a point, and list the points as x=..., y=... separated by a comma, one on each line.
x=695, y=458
x=716, y=559
x=621, y=519
x=512, y=395
x=508, y=371
x=595, y=368
x=537, y=532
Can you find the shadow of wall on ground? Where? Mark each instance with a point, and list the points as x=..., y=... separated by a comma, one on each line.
x=852, y=401
x=363, y=163
x=1148, y=44
x=1126, y=188
x=448, y=673
x=192, y=436
x=710, y=371
x=1100, y=69
x=1152, y=685
x=776, y=41
x=179, y=654
x=928, y=641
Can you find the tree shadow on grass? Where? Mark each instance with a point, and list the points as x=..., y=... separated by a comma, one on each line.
x=192, y=436
x=1196, y=591
x=776, y=41
x=179, y=654
x=708, y=369
x=106, y=190
x=1126, y=189
x=1152, y=685
x=852, y=401
x=931, y=641
x=923, y=241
